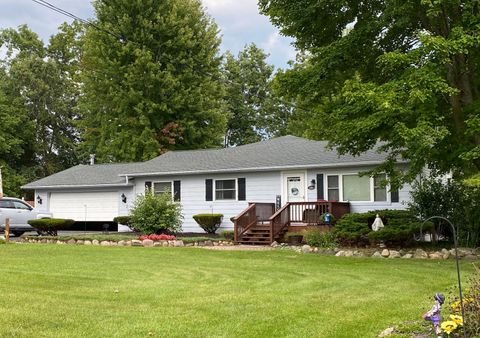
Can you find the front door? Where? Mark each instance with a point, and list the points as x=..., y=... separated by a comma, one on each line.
x=294, y=187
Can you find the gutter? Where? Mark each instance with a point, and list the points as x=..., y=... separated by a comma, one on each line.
x=253, y=169
x=65, y=186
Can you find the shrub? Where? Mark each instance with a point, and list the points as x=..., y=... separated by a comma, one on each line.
x=209, y=222
x=401, y=226
x=321, y=239
x=50, y=226
x=294, y=237
x=154, y=214
x=228, y=234
x=125, y=220
x=457, y=201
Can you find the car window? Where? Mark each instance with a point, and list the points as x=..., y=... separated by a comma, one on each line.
x=6, y=204
x=20, y=205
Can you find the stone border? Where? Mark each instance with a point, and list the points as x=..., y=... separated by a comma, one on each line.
x=463, y=253
x=133, y=242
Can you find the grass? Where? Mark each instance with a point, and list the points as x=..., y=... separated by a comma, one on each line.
x=88, y=291
x=123, y=237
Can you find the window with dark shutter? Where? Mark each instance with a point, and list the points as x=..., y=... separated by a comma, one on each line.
x=394, y=197
x=176, y=191
x=242, y=193
x=208, y=190
x=320, y=194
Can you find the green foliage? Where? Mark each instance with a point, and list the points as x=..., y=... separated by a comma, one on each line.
x=155, y=214
x=454, y=200
x=294, y=238
x=400, y=228
x=402, y=72
x=125, y=220
x=227, y=234
x=255, y=111
x=50, y=226
x=320, y=239
x=209, y=222
x=157, y=87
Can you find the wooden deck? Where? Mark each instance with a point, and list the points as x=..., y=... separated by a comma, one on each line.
x=260, y=224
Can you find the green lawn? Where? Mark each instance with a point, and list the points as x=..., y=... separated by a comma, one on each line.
x=88, y=291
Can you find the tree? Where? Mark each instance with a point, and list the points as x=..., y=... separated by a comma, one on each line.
x=255, y=112
x=151, y=75
x=405, y=73
x=39, y=97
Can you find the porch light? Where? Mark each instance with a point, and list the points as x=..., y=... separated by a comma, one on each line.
x=312, y=185
x=39, y=199
x=124, y=198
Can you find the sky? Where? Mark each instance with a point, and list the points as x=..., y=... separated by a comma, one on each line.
x=239, y=21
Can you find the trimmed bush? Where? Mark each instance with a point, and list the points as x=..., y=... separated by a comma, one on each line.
x=209, y=222
x=50, y=226
x=156, y=214
x=125, y=220
x=320, y=239
x=401, y=226
x=228, y=234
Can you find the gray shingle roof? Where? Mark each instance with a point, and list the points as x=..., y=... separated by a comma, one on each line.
x=278, y=153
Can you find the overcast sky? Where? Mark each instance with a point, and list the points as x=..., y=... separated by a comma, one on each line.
x=239, y=22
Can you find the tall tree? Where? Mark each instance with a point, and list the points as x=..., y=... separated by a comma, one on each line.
x=42, y=94
x=402, y=72
x=151, y=74
x=255, y=112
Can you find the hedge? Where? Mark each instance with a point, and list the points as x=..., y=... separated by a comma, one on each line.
x=209, y=222
x=50, y=226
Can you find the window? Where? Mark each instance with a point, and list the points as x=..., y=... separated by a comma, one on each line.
x=162, y=188
x=379, y=192
x=225, y=190
x=21, y=206
x=6, y=204
x=333, y=188
x=356, y=188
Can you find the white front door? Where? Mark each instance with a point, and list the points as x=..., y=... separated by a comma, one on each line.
x=294, y=187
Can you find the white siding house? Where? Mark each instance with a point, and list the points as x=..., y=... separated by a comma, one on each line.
x=285, y=169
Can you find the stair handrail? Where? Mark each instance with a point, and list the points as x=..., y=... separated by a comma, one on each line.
x=244, y=217
x=276, y=224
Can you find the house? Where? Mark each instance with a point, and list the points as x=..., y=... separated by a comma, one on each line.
x=272, y=172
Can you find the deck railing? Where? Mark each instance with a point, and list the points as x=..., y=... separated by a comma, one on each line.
x=300, y=213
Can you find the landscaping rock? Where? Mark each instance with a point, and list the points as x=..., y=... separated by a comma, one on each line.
x=446, y=255
x=137, y=242
x=470, y=257
x=189, y=244
x=80, y=241
x=377, y=254
x=43, y=240
x=407, y=256
x=386, y=332
x=358, y=254
x=341, y=253
x=394, y=254
x=71, y=241
x=165, y=243
x=179, y=243
x=421, y=254
x=385, y=253
x=128, y=243
x=156, y=244
x=329, y=252
x=306, y=248
x=95, y=242
x=147, y=243
x=215, y=243
x=105, y=243
x=435, y=255
x=121, y=243
x=113, y=243
x=349, y=253
x=87, y=242
x=274, y=244
x=315, y=250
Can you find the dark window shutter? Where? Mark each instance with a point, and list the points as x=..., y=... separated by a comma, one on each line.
x=148, y=186
x=320, y=195
x=242, y=194
x=208, y=190
x=394, y=196
x=176, y=191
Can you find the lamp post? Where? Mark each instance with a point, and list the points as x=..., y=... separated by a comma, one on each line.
x=455, y=243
